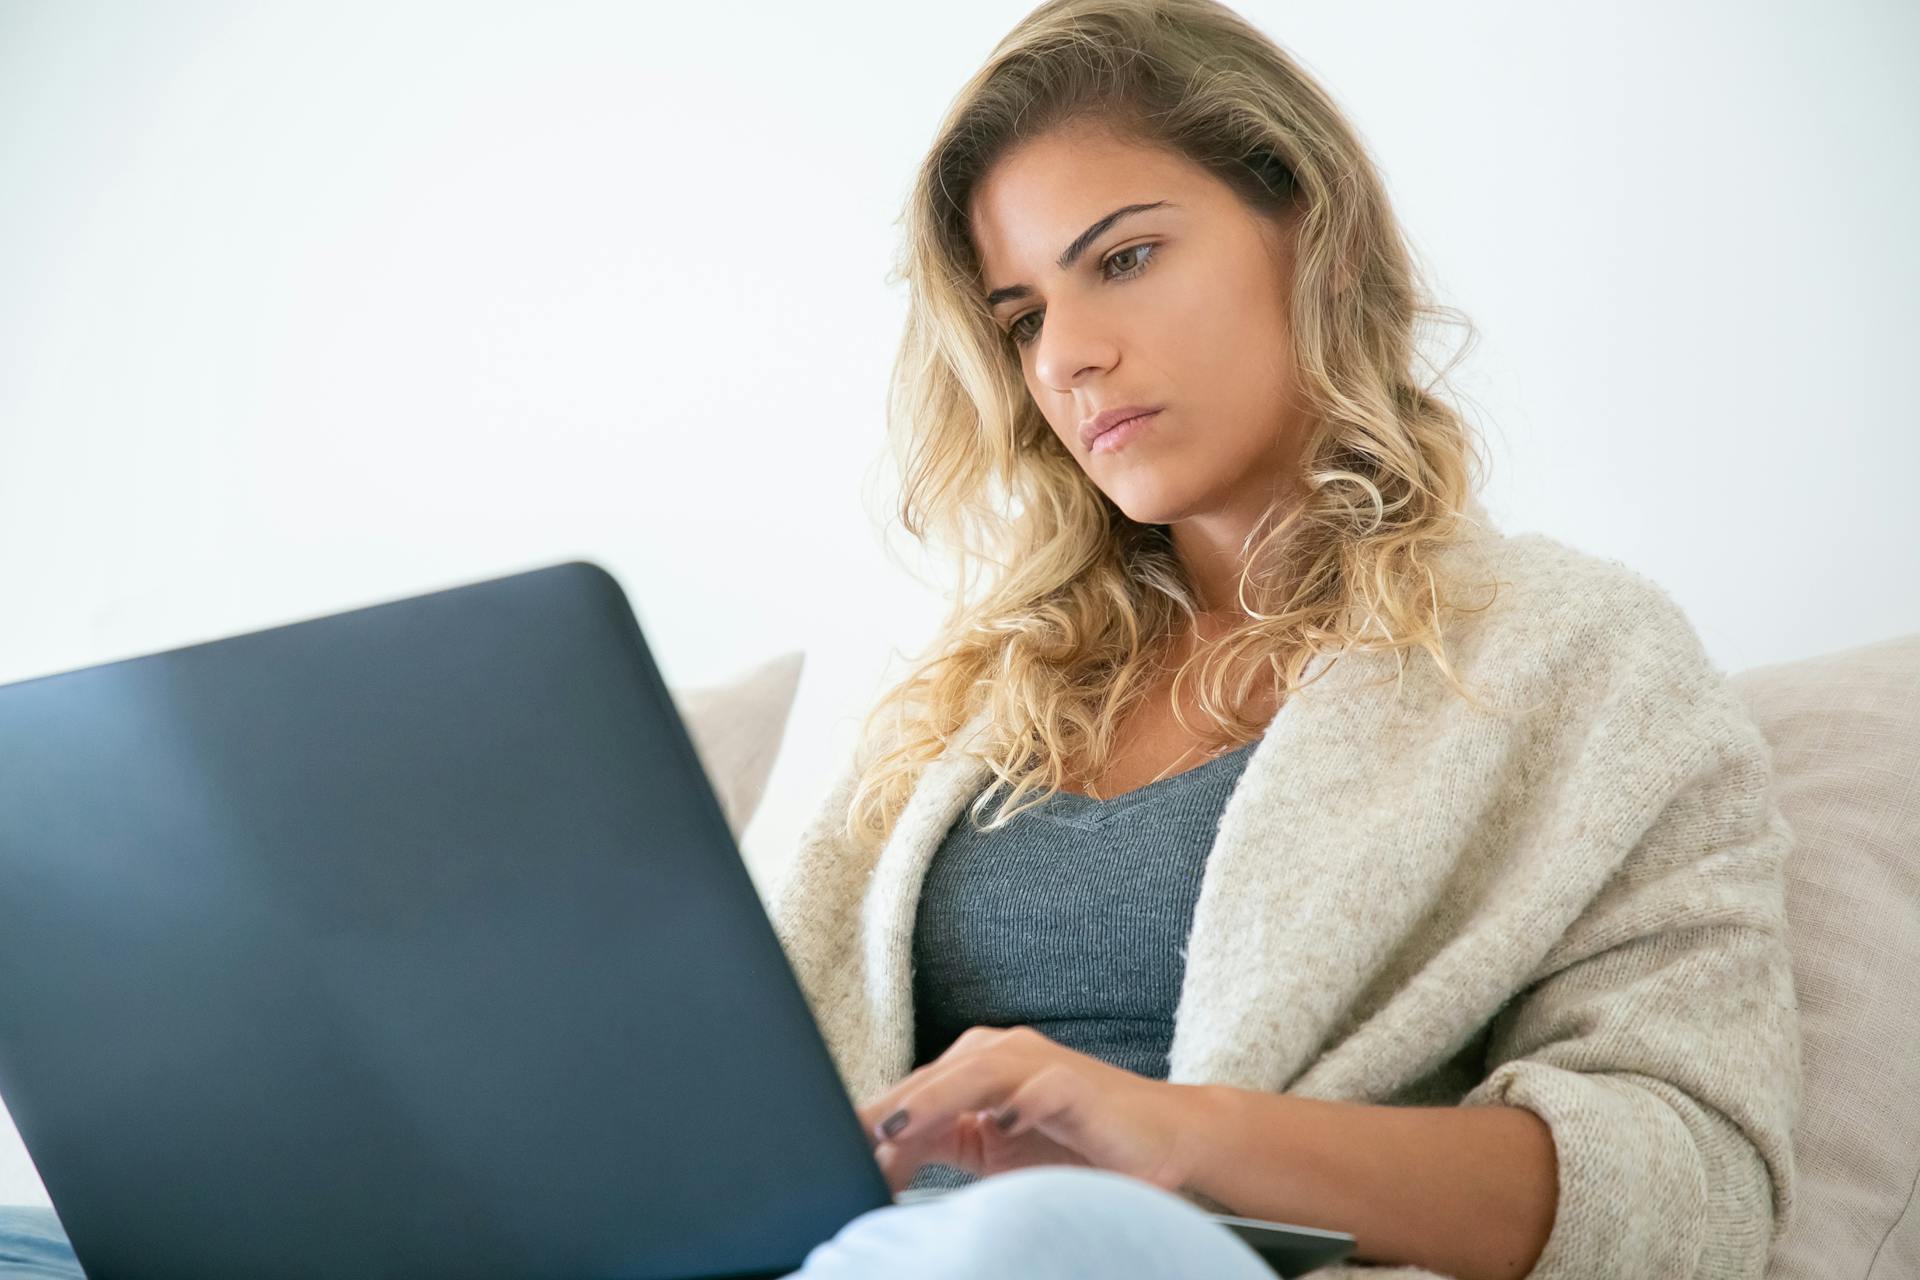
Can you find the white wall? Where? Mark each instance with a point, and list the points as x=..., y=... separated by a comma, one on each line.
x=308, y=306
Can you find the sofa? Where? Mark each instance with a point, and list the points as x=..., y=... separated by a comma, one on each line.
x=1845, y=732
x=1844, y=728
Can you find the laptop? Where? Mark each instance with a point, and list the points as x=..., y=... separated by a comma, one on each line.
x=411, y=940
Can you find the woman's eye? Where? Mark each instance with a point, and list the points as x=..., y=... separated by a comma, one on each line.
x=1140, y=254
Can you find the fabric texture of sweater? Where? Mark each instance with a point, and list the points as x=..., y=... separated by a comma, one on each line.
x=1412, y=901
x=1072, y=919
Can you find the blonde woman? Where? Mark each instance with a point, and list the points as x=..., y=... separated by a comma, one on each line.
x=1265, y=832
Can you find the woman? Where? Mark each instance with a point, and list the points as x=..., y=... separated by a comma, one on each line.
x=1188, y=870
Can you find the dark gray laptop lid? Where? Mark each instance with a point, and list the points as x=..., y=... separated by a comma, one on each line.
x=406, y=941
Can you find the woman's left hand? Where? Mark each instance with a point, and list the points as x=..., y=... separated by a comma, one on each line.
x=1064, y=1107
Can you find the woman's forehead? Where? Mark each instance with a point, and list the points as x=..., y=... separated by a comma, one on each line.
x=1034, y=206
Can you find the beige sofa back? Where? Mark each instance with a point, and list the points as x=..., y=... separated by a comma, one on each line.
x=1845, y=733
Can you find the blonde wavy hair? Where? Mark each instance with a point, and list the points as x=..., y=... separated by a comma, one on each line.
x=1062, y=640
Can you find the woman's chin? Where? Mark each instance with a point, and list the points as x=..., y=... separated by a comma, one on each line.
x=1153, y=507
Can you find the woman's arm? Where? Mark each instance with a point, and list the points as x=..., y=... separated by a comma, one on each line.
x=1659, y=1047
x=1466, y=1191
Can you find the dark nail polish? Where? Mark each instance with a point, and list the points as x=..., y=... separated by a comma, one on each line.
x=1006, y=1118
x=893, y=1124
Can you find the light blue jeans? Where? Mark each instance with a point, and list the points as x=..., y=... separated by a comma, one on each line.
x=33, y=1247
x=1056, y=1222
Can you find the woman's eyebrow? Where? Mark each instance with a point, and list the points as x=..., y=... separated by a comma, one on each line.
x=1079, y=246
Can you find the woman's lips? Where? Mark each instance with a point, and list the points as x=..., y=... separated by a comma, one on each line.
x=1116, y=437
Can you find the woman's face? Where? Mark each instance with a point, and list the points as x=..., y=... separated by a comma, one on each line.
x=1181, y=307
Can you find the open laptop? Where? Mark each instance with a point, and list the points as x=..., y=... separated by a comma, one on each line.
x=411, y=941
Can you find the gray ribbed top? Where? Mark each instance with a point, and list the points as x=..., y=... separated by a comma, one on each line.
x=1072, y=919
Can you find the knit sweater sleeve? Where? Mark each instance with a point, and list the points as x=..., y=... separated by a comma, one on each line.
x=1659, y=1039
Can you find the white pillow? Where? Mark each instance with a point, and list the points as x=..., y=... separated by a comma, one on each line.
x=736, y=727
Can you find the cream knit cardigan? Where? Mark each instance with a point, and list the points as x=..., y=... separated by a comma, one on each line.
x=1410, y=901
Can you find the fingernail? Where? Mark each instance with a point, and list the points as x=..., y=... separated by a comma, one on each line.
x=893, y=1124
x=1006, y=1118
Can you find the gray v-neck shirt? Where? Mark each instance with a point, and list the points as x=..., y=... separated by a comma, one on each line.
x=1072, y=919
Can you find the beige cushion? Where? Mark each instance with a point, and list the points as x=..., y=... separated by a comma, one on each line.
x=736, y=727
x=1845, y=732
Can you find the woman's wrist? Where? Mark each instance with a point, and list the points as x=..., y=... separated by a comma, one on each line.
x=1209, y=1117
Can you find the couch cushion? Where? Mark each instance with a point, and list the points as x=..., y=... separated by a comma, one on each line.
x=1845, y=733
x=736, y=727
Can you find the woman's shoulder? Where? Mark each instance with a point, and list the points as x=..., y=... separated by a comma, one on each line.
x=1582, y=632
x=1556, y=600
